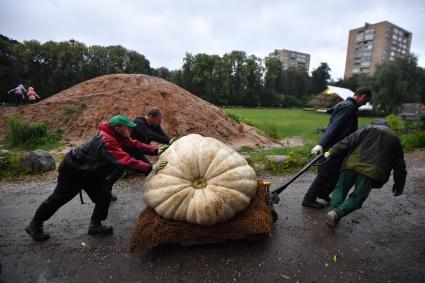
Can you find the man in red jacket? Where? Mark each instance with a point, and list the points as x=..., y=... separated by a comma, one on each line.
x=86, y=168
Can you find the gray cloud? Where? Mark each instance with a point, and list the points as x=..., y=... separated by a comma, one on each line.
x=164, y=30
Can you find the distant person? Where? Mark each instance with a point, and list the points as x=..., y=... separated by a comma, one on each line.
x=373, y=152
x=32, y=95
x=19, y=93
x=147, y=129
x=343, y=122
x=86, y=168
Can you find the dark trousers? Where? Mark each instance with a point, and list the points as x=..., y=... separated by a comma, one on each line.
x=136, y=153
x=70, y=183
x=326, y=178
x=19, y=99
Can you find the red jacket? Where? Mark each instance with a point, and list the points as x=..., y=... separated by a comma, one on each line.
x=103, y=152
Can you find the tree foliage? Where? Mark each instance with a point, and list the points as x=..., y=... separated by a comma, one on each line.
x=394, y=82
x=54, y=66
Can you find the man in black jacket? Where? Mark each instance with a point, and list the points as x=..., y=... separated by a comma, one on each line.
x=147, y=129
x=343, y=122
x=86, y=168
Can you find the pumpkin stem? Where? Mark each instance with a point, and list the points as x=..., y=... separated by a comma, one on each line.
x=199, y=183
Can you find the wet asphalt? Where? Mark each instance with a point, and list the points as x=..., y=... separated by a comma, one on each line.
x=382, y=242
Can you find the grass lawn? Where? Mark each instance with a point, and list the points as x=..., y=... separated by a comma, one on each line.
x=288, y=122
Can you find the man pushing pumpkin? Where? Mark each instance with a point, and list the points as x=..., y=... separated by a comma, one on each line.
x=147, y=129
x=87, y=167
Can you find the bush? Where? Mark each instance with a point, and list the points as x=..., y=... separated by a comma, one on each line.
x=413, y=140
x=9, y=165
x=395, y=122
x=27, y=135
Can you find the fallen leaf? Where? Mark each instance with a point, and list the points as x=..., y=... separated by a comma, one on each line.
x=366, y=242
x=334, y=258
x=326, y=264
x=285, y=277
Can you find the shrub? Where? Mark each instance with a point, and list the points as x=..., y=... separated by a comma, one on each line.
x=395, y=122
x=413, y=140
x=9, y=165
x=30, y=135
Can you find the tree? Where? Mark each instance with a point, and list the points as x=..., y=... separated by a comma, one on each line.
x=272, y=83
x=55, y=66
x=396, y=82
x=320, y=78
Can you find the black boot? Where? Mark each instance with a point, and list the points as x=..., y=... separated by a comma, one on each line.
x=36, y=232
x=313, y=204
x=97, y=228
x=113, y=197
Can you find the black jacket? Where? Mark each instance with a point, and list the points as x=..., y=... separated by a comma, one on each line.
x=342, y=123
x=147, y=133
x=103, y=152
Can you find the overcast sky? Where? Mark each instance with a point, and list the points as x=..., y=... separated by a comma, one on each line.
x=164, y=30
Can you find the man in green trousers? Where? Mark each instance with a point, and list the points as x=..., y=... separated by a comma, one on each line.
x=373, y=152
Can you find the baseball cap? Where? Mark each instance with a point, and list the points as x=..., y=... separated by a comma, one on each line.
x=121, y=120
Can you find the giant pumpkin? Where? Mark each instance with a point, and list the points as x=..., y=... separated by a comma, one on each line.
x=204, y=182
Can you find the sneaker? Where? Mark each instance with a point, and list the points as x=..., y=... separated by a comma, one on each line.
x=313, y=204
x=36, y=232
x=332, y=219
x=99, y=229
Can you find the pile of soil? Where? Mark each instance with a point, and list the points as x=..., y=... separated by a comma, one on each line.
x=79, y=109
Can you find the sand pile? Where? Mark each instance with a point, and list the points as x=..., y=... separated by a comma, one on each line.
x=79, y=109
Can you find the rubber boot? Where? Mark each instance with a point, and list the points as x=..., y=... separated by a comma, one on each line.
x=36, y=232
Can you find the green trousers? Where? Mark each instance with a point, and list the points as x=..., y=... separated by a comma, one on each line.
x=362, y=187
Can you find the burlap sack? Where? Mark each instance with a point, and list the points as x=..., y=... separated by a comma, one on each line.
x=152, y=230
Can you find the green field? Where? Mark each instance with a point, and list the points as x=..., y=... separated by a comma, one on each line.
x=288, y=122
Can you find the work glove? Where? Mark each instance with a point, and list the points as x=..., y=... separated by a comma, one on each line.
x=397, y=190
x=159, y=165
x=318, y=149
x=163, y=148
x=175, y=139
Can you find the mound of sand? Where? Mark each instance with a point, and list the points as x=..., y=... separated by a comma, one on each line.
x=79, y=109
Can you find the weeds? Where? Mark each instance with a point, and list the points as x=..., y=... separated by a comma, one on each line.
x=68, y=113
x=25, y=135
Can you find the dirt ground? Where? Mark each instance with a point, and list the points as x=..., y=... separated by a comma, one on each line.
x=382, y=242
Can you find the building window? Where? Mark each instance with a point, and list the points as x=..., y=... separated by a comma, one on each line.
x=369, y=34
x=359, y=37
